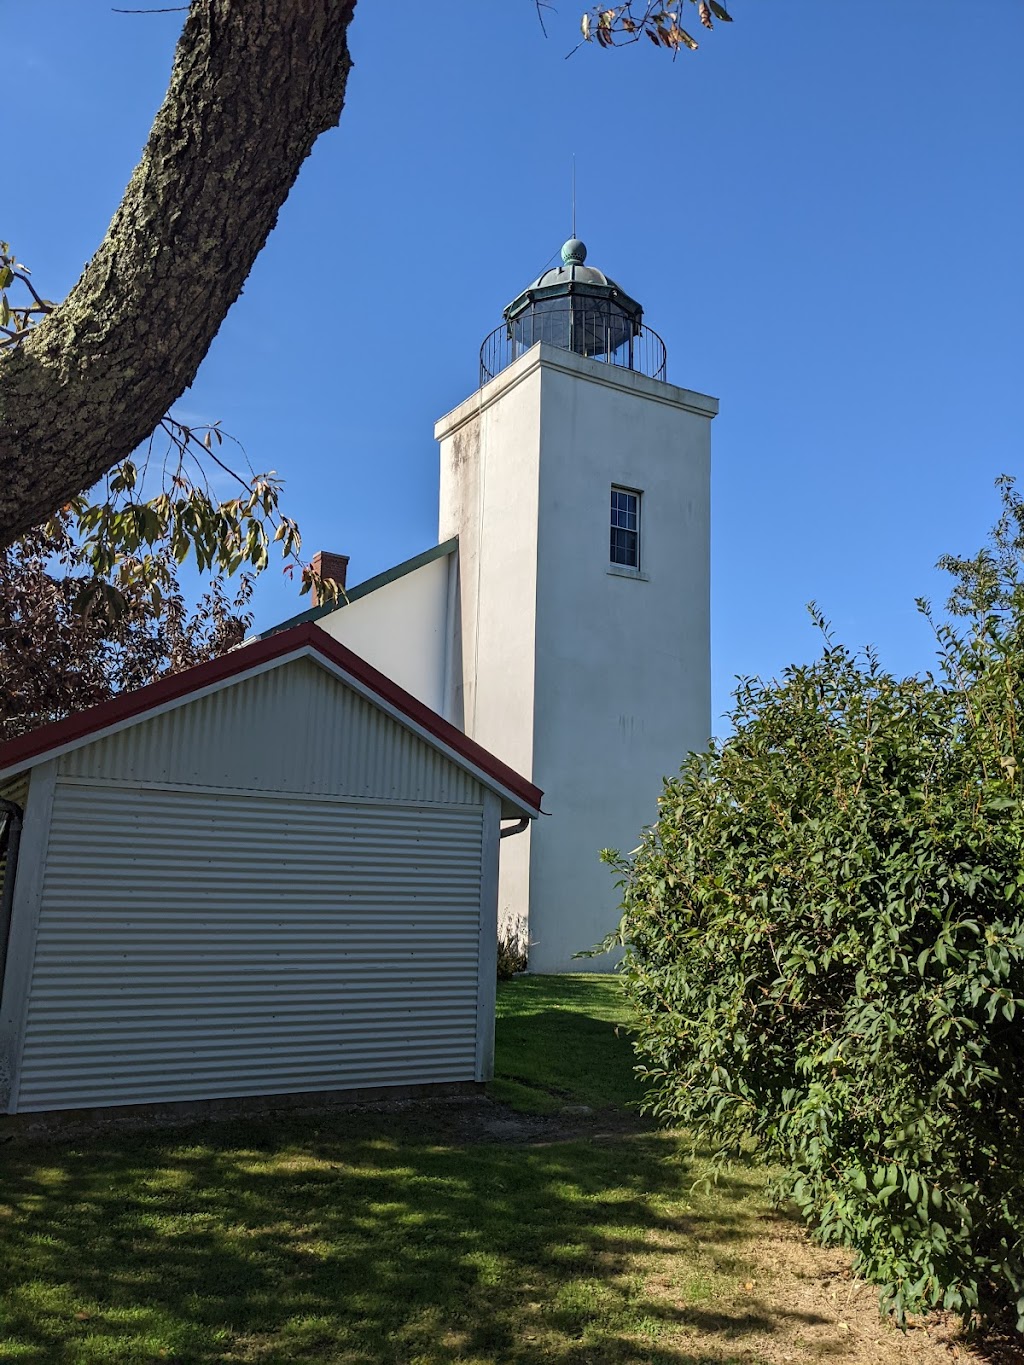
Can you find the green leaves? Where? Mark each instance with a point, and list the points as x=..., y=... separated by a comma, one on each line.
x=825, y=945
x=133, y=541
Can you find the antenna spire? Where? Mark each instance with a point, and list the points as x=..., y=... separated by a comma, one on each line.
x=574, y=194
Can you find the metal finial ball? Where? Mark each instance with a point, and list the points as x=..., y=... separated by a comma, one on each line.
x=574, y=252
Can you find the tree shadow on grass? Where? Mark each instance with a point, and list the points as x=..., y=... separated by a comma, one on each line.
x=357, y=1239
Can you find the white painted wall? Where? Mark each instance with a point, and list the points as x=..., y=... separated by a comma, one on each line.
x=623, y=674
x=489, y=498
x=592, y=683
x=401, y=628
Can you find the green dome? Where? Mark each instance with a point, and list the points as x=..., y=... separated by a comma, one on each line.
x=574, y=279
x=575, y=307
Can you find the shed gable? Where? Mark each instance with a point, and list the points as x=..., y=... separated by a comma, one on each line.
x=293, y=728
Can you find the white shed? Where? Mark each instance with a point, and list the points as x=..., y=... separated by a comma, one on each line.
x=272, y=874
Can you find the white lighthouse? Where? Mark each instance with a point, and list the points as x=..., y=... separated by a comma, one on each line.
x=562, y=620
x=577, y=482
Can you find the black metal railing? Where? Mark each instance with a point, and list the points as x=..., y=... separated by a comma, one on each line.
x=598, y=334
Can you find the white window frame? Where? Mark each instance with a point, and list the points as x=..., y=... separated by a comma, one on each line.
x=614, y=567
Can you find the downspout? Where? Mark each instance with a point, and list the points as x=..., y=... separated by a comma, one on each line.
x=517, y=828
x=10, y=842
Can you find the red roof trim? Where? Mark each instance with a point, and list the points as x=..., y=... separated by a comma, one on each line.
x=131, y=704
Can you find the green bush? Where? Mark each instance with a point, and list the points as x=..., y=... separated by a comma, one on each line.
x=825, y=947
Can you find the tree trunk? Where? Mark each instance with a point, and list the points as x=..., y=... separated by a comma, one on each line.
x=254, y=83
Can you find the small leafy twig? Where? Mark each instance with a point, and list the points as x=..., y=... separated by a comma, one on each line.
x=659, y=20
x=18, y=319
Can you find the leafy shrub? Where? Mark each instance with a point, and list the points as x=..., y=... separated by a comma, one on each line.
x=513, y=949
x=825, y=946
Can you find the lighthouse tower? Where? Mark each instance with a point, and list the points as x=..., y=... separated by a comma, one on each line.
x=577, y=481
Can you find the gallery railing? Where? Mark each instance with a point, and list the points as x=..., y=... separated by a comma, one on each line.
x=600, y=335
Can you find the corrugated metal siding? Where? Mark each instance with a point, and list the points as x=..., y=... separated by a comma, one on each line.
x=294, y=728
x=194, y=945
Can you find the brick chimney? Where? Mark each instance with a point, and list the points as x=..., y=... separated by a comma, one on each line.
x=329, y=565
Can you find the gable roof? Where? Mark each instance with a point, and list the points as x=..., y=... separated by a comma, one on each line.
x=380, y=580
x=301, y=641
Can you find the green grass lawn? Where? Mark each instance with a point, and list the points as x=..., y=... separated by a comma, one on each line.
x=563, y=1040
x=366, y=1237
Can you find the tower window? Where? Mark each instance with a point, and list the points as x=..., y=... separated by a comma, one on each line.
x=625, y=528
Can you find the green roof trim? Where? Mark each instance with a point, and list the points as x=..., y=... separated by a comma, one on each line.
x=380, y=580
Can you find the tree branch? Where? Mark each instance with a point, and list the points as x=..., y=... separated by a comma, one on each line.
x=254, y=84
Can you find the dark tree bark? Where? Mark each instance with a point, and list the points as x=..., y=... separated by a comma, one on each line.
x=254, y=83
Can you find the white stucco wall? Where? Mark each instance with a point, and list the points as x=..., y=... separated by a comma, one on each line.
x=489, y=498
x=401, y=628
x=592, y=683
x=623, y=673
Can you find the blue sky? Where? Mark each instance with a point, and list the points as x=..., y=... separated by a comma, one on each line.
x=820, y=211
